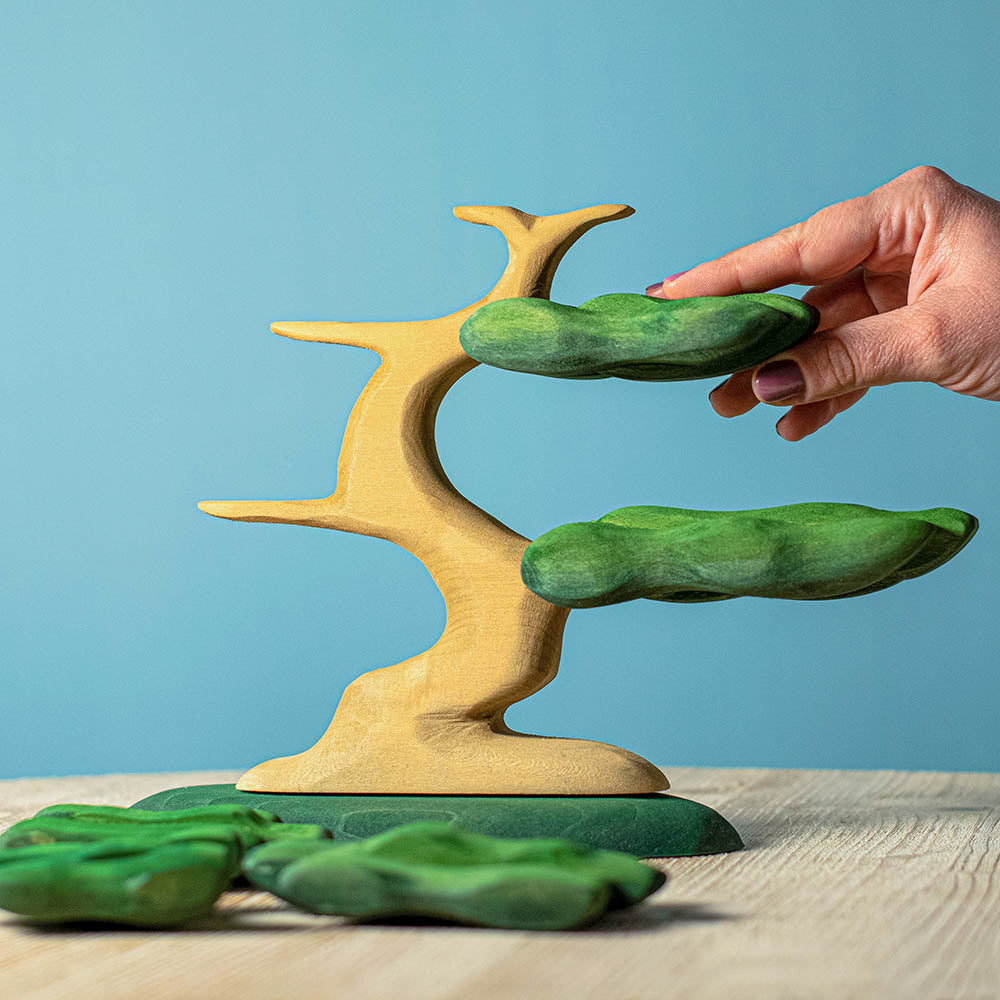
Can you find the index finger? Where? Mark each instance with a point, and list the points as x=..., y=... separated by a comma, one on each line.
x=825, y=246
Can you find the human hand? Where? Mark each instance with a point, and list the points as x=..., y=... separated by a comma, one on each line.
x=907, y=282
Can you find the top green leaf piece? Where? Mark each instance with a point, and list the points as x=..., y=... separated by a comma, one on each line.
x=804, y=552
x=635, y=336
x=75, y=822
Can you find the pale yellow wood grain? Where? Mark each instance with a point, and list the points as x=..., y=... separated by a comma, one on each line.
x=435, y=723
x=854, y=885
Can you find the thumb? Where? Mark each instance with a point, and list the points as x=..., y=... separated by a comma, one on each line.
x=895, y=346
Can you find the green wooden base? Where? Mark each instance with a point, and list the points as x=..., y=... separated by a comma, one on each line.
x=648, y=826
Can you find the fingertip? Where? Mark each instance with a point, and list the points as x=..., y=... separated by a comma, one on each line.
x=785, y=428
x=783, y=431
x=661, y=289
x=669, y=288
x=778, y=381
x=717, y=402
x=732, y=408
x=733, y=397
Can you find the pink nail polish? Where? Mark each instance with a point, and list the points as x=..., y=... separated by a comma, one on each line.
x=657, y=290
x=779, y=380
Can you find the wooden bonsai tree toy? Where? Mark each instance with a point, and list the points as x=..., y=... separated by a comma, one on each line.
x=433, y=726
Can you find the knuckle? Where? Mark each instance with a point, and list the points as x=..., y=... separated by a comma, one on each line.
x=891, y=228
x=791, y=241
x=930, y=336
x=836, y=361
x=928, y=176
x=740, y=272
x=794, y=236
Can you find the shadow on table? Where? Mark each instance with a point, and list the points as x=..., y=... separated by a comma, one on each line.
x=648, y=917
x=642, y=919
x=656, y=917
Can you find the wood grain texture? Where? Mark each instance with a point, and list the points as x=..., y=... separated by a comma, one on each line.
x=853, y=885
x=434, y=724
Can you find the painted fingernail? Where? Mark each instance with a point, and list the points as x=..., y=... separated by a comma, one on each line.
x=656, y=290
x=779, y=380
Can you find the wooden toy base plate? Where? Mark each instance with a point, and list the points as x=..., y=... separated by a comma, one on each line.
x=648, y=826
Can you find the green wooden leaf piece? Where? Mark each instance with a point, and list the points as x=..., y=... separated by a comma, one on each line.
x=86, y=823
x=48, y=830
x=127, y=880
x=636, y=337
x=806, y=551
x=433, y=869
x=127, y=816
x=49, y=870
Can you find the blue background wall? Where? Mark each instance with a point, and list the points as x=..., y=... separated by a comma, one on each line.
x=178, y=175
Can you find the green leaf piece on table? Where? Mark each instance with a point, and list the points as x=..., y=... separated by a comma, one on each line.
x=132, y=866
x=437, y=870
x=124, y=880
x=635, y=336
x=84, y=823
x=41, y=833
x=807, y=551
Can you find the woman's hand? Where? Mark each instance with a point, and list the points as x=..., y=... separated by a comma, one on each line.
x=907, y=282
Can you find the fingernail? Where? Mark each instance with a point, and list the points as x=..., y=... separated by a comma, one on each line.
x=656, y=290
x=779, y=380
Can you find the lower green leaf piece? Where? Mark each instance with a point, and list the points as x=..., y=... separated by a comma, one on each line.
x=132, y=866
x=122, y=880
x=807, y=551
x=438, y=870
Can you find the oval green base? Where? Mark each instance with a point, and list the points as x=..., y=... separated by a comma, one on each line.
x=648, y=826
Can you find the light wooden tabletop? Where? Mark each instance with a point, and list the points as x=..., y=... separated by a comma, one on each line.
x=854, y=884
